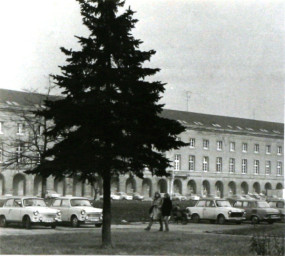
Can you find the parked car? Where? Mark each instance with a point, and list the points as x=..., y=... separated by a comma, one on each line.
x=119, y=196
x=28, y=211
x=278, y=204
x=257, y=211
x=4, y=198
x=77, y=211
x=137, y=196
x=219, y=210
x=177, y=196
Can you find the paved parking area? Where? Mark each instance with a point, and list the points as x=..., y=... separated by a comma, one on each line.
x=190, y=227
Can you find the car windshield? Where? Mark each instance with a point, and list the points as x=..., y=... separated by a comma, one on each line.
x=34, y=202
x=223, y=203
x=80, y=202
x=262, y=205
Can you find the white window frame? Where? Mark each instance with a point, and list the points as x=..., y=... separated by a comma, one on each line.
x=256, y=167
x=19, y=152
x=219, y=164
x=20, y=129
x=232, y=146
x=206, y=144
x=1, y=127
x=1, y=153
x=177, y=162
x=232, y=165
x=267, y=167
x=219, y=145
x=191, y=163
x=244, y=147
x=268, y=149
x=279, y=168
x=205, y=164
x=244, y=166
x=279, y=150
x=256, y=148
x=192, y=142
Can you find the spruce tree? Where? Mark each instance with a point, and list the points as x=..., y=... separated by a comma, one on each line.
x=109, y=118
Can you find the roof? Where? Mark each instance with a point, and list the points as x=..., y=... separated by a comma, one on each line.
x=198, y=121
x=225, y=124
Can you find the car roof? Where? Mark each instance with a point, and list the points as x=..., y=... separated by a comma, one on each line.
x=71, y=197
x=211, y=198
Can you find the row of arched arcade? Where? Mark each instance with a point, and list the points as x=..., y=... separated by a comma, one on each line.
x=22, y=184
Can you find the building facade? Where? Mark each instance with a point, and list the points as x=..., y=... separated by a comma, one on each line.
x=225, y=156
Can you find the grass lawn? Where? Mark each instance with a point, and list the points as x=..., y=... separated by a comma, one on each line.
x=127, y=241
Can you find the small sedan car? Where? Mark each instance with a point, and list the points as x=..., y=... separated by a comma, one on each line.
x=219, y=210
x=77, y=211
x=137, y=196
x=28, y=211
x=257, y=211
x=278, y=204
x=177, y=196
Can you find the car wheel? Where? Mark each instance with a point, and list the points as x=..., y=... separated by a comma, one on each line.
x=270, y=221
x=53, y=226
x=221, y=219
x=74, y=222
x=196, y=218
x=27, y=222
x=254, y=220
x=98, y=225
x=3, y=222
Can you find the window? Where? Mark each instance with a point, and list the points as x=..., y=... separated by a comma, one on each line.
x=256, y=166
x=19, y=153
x=20, y=129
x=1, y=127
x=256, y=148
x=65, y=203
x=177, y=162
x=232, y=146
x=244, y=147
x=268, y=149
x=205, y=164
x=1, y=153
x=279, y=168
x=232, y=165
x=218, y=164
x=219, y=145
x=56, y=202
x=201, y=204
x=279, y=150
x=192, y=143
x=206, y=144
x=267, y=167
x=191, y=163
x=244, y=166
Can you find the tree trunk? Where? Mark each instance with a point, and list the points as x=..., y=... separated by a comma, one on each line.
x=44, y=187
x=106, y=229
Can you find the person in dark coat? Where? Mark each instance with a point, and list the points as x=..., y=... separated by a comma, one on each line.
x=166, y=210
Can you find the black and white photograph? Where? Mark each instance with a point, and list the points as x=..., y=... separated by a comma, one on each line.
x=142, y=127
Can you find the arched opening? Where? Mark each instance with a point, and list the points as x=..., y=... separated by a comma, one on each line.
x=146, y=188
x=130, y=185
x=38, y=185
x=191, y=187
x=162, y=186
x=256, y=187
x=2, y=185
x=267, y=187
x=206, y=188
x=219, y=189
x=114, y=184
x=19, y=185
x=177, y=186
x=279, y=186
x=78, y=187
x=232, y=188
x=59, y=186
x=244, y=188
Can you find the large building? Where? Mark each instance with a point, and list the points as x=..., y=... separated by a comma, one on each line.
x=225, y=156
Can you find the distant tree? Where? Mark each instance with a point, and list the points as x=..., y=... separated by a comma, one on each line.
x=109, y=119
x=26, y=148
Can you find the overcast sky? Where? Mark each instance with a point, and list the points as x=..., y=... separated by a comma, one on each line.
x=227, y=56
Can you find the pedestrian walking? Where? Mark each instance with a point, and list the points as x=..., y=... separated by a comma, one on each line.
x=155, y=211
x=166, y=209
